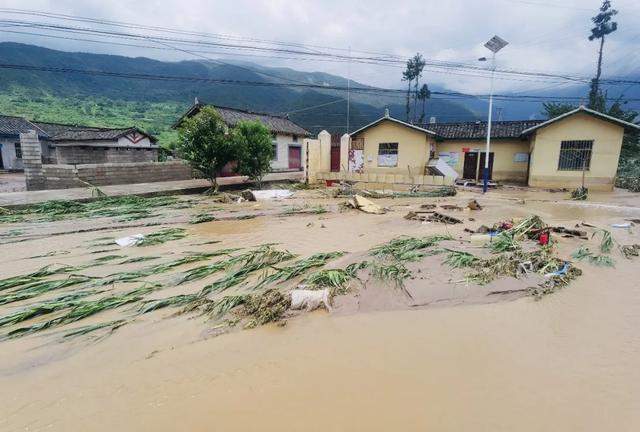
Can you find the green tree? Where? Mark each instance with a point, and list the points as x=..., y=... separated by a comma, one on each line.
x=418, y=65
x=205, y=142
x=255, y=147
x=552, y=109
x=408, y=75
x=603, y=25
x=423, y=95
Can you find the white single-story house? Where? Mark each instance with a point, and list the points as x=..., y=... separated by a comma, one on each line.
x=289, y=153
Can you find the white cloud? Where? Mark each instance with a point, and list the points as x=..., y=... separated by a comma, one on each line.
x=543, y=36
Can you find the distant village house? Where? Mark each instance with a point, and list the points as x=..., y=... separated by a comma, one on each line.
x=71, y=144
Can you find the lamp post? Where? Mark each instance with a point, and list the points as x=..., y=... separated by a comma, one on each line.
x=494, y=45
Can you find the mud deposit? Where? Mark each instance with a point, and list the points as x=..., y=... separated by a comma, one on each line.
x=439, y=354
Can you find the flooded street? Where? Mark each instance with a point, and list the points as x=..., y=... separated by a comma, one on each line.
x=568, y=361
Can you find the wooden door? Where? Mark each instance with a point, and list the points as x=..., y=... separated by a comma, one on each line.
x=335, y=159
x=470, y=169
x=295, y=157
x=482, y=158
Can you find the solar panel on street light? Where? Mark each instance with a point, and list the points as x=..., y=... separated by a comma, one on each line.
x=496, y=43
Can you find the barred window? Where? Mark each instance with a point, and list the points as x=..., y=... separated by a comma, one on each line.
x=388, y=154
x=18, y=151
x=575, y=155
x=275, y=152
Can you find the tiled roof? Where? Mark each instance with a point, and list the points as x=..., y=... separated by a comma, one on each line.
x=62, y=132
x=233, y=116
x=13, y=126
x=478, y=130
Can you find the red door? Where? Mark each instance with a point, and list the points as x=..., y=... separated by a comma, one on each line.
x=295, y=158
x=335, y=159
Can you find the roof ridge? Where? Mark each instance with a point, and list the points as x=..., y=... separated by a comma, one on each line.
x=243, y=110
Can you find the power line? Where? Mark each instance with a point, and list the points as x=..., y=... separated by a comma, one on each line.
x=371, y=90
x=387, y=60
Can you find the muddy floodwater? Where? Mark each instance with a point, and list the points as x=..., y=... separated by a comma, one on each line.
x=461, y=361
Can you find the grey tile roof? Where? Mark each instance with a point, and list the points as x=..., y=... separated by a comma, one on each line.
x=478, y=130
x=62, y=132
x=11, y=126
x=233, y=116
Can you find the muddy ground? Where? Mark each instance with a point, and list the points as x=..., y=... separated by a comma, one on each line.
x=421, y=361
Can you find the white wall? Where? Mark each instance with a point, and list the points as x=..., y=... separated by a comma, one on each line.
x=144, y=142
x=282, y=157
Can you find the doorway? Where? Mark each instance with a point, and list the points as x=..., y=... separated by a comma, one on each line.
x=335, y=158
x=481, y=168
x=295, y=157
x=470, y=168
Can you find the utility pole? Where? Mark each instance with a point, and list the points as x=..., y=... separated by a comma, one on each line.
x=348, y=89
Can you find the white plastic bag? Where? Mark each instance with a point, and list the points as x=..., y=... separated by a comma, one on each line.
x=309, y=299
x=271, y=194
x=130, y=240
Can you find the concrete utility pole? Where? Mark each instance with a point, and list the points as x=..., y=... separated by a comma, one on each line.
x=495, y=44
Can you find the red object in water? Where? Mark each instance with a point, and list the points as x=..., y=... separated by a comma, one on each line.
x=544, y=238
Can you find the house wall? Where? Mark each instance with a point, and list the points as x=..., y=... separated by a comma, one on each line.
x=283, y=142
x=505, y=168
x=413, y=148
x=545, y=153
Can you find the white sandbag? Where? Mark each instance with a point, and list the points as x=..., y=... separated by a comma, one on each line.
x=309, y=299
x=271, y=194
x=130, y=240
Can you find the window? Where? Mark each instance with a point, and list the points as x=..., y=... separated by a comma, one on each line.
x=294, y=138
x=18, y=151
x=275, y=152
x=575, y=155
x=388, y=154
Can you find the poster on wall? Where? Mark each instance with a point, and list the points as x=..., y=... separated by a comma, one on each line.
x=450, y=158
x=356, y=160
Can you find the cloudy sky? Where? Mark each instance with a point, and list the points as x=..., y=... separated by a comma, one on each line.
x=544, y=35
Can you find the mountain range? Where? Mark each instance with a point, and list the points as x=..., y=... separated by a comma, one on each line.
x=155, y=103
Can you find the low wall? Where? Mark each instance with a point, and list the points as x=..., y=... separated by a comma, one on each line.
x=68, y=176
x=387, y=181
x=99, y=155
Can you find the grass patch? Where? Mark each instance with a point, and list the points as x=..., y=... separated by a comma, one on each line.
x=407, y=248
x=459, y=259
x=299, y=267
x=128, y=207
x=395, y=272
x=335, y=279
x=162, y=236
x=86, y=309
x=63, y=302
x=16, y=281
x=39, y=287
x=81, y=331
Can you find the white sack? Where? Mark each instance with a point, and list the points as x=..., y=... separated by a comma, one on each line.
x=130, y=240
x=309, y=299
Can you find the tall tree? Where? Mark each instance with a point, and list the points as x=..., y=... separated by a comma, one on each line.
x=423, y=95
x=255, y=149
x=408, y=76
x=205, y=142
x=418, y=67
x=603, y=25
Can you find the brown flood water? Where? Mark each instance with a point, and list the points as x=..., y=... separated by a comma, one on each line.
x=570, y=361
